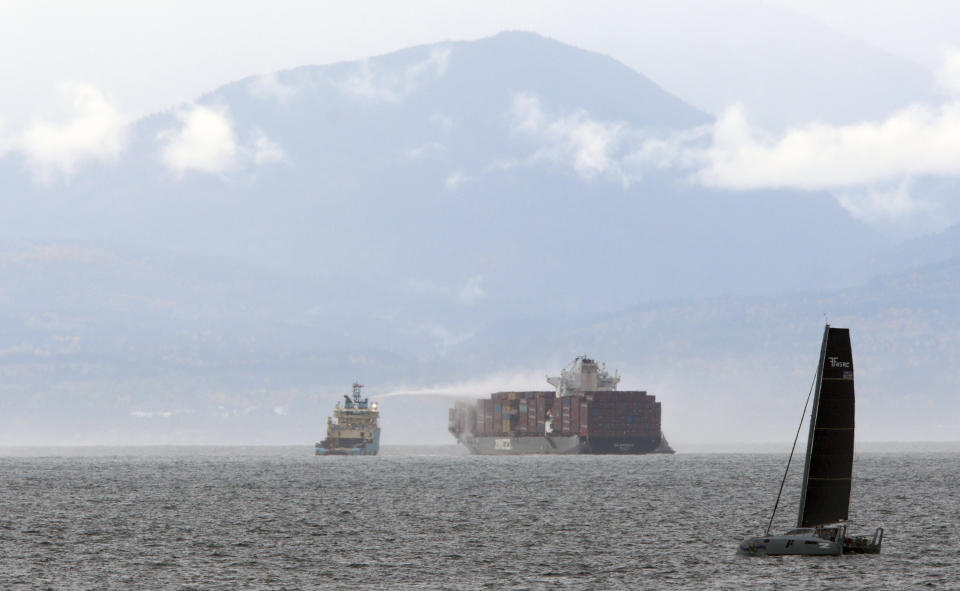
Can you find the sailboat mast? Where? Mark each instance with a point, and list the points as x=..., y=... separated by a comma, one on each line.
x=813, y=425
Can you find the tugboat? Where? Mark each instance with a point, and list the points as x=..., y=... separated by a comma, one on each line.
x=354, y=428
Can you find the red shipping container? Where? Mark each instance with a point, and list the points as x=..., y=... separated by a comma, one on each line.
x=575, y=415
x=584, y=418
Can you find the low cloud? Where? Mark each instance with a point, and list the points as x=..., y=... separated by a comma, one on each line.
x=205, y=142
x=869, y=166
x=266, y=151
x=948, y=78
x=455, y=179
x=915, y=141
x=92, y=129
x=882, y=205
x=368, y=83
x=590, y=146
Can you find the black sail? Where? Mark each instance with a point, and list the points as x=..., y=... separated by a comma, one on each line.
x=825, y=497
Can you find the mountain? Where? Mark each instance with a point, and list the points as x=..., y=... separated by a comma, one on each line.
x=514, y=161
x=913, y=254
x=156, y=347
x=443, y=218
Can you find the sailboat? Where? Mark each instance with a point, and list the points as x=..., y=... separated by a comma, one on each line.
x=828, y=467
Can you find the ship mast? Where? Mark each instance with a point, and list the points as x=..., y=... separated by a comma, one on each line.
x=356, y=393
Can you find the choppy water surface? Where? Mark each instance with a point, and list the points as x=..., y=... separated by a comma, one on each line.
x=275, y=518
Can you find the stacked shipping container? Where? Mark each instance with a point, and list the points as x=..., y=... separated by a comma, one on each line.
x=588, y=414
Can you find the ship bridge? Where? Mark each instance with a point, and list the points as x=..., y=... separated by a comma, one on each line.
x=584, y=375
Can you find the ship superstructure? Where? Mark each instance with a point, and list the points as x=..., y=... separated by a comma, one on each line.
x=353, y=429
x=584, y=375
x=585, y=414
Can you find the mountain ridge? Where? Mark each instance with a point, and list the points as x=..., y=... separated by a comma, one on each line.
x=434, y=215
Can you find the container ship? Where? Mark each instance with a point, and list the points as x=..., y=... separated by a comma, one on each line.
x=584, y=414
x=353, y=430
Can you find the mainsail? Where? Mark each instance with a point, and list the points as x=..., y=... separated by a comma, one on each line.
x=825, y=497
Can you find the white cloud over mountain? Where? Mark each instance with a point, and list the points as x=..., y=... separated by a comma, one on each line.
x=916, y=141
x=867, y=166
x=575, y=139
x=884, y=204
x=93, y=129
x=266, y=151
x=870, y=166
x=948, y=77
x=205, y=142
x=370, y=83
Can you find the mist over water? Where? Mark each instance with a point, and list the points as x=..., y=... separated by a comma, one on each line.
x=435, y=518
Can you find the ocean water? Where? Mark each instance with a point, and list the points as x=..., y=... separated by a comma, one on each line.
x=434, y=518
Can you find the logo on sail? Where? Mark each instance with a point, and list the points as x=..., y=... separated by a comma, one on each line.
x=835, y=362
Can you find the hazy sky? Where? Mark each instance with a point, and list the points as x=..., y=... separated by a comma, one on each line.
x=149, y=56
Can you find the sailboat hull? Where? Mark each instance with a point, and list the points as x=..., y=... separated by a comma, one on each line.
x=804, y=545
x=820, y=541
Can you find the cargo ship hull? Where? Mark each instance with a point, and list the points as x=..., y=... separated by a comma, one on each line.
x=504, y=446
x=564, y=444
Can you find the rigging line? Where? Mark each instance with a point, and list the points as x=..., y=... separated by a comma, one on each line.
x=792, y=449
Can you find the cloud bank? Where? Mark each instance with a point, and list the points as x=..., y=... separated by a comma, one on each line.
x=869, y=167
x=916, y=141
